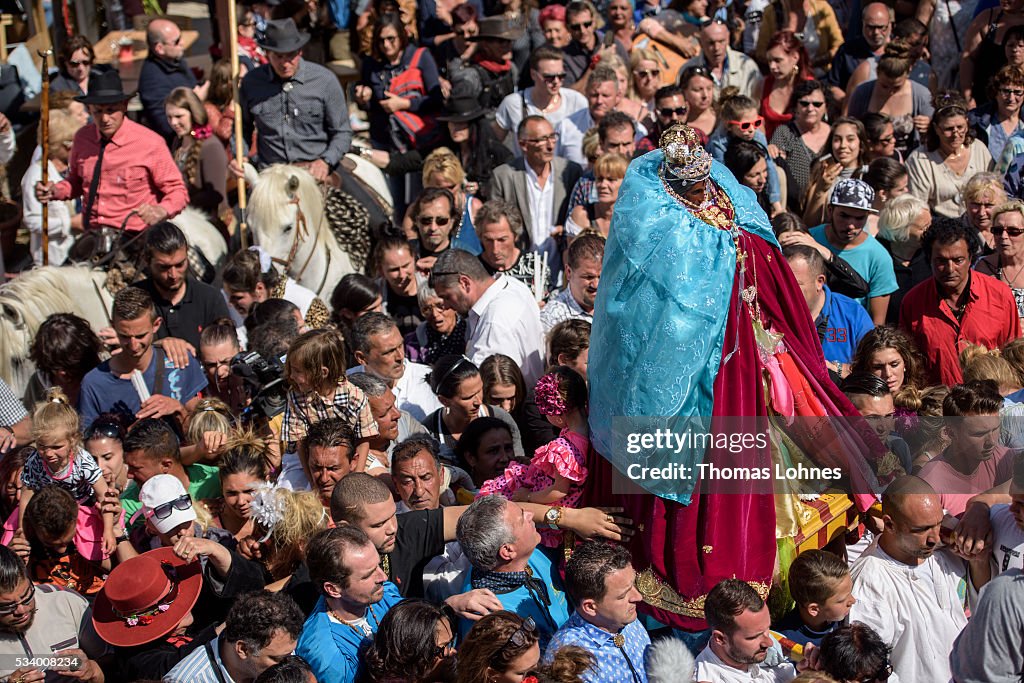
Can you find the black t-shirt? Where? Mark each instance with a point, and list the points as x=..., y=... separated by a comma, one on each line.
x=420, y=539
x=201, y=306
x=404, y=309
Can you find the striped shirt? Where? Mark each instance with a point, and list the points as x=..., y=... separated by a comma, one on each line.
x=198, y=667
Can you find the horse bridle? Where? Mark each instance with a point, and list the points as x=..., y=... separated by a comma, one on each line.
x=301, y=230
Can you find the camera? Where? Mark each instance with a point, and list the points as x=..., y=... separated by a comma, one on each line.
x=265, y=382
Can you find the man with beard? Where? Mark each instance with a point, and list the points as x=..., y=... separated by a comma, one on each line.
x=599, y=577
x=582, y=273
x=185, y=304
x=44, y=621
x=740, y=643
x=910, y=594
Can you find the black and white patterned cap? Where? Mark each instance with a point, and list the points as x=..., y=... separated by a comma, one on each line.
x=853, y=194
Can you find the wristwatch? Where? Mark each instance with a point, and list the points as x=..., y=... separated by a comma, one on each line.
x=553, y=517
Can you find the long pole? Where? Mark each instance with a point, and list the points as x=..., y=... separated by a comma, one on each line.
x=239, y=154
x=44, y=142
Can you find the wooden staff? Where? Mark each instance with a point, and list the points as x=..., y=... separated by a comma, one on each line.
x=44, y=142
x=239, y=154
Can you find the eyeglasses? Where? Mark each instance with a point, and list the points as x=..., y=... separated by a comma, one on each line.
x=1011, y=92
x=104, y=428
x=652, y=73
x=213, y=365
x=163, y=511
x=811, y=103
x=441, y=221
x=880, y=675
x=886, y=140
x=551, y=78
x=389, y=39
x=998, y=230
x=666, y=112
x=12, y=607
x=747, y=125
x=540, y=141
x=580, y=26
x=877, y=28
x=75, y=62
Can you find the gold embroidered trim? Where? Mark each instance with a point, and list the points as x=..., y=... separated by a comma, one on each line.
x=659, y=594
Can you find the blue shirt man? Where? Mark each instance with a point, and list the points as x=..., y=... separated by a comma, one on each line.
x=605, y=622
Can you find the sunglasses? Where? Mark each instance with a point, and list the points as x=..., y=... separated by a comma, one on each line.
x=75, y=62
x=998, y=230
x=653, y=73
x=12, y=607
x=811, y=103
x=747, y=125
x=580, y=26
x=522, y=636
x=551, y=78
x=440, y=221
x=669, y=111
x=110, y=430
x=182, y=503
x=881, y=675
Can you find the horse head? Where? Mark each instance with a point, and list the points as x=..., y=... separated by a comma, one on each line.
x=285, y=214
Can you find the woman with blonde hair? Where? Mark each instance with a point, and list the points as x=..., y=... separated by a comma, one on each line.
x=646, y=76
x=979, y=363
x=901, y=222
x=1007, y=263
x=207, y=430
x=609, y=170
x=980, y=195
x=443, y=169
x=199, y=154
x=63, y=218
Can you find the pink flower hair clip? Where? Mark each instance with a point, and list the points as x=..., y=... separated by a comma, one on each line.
x=548, y=396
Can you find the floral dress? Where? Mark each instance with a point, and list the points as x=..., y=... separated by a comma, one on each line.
x=565, y=456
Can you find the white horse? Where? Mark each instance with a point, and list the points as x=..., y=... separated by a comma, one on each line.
x=308, y=250
x=27, y=300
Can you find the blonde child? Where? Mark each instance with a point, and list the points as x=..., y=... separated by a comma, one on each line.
x=319, y=389
x=739, y=118
x=60, y=458
x=556, y=474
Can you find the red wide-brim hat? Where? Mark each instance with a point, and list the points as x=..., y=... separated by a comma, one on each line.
x=146, y=597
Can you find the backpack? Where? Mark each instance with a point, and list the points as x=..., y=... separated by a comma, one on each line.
x=410, y=130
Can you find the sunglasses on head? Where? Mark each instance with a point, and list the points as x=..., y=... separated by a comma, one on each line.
x=105, y=428
x=523, y=635
x=998, y=230
x=163, y=511
x=747, y=125
x=880, y=675
x=440, y=221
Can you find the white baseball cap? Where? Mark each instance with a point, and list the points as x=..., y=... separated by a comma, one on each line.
x=166, y=503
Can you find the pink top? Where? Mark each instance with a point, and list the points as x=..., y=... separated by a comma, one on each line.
x=137, y=169
x=955, y=489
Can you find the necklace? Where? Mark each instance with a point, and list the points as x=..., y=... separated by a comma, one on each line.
x=385, y=564
x=366, y=632
x=555, y=102
x=1002, y=276
x=716, y=210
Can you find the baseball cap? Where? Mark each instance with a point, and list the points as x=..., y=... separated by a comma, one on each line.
x=166, y=503
x=853, y=194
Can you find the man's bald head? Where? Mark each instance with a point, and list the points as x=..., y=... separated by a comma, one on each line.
x=906, y=492
x=877, y=21
x=714, y=41
x=164, y=39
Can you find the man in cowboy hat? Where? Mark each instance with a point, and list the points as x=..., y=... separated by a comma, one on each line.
x=122, y=171
x=297, y=107
x=492, y=60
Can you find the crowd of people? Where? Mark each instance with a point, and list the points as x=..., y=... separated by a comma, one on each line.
x=798, y=210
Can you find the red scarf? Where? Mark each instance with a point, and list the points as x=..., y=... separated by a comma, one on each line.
x=493, y=67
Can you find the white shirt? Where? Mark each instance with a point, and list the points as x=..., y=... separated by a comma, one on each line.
x=506, y=320
x=59, y=219
x=918, y=611
x=1007, y=539
x=570, y=136
x=542, y=211
x=412, y=391
x=510, y=112
x=711, y=669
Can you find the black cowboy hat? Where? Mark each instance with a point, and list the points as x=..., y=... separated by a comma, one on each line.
x=105, y=88
x=496, y=28
x=462, y=108
x=282, y=35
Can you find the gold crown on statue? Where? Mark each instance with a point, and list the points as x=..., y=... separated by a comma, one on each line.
x=685, y=156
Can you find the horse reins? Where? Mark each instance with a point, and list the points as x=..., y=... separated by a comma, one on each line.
x=301, y=230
